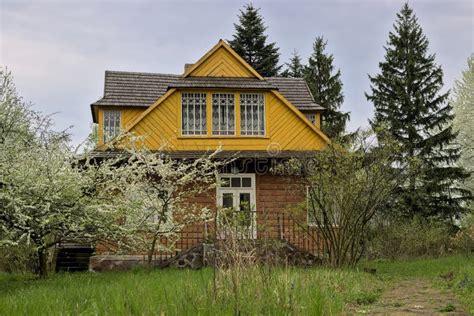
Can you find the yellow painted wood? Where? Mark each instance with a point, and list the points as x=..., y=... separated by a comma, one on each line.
x=286, y=129
x=221, y=64
x=222, y=61
x=318, y=120
x=127, y=116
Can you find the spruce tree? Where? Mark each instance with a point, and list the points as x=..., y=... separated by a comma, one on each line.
x=250, y=42
x=326, y=86
x=294, y=69
x=409, y=104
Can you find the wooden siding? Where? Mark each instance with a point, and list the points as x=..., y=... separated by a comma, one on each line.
x=128, y=116
x=285, y=130
x=221, y=63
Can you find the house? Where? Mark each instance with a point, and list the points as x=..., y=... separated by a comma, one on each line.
x=221, y=101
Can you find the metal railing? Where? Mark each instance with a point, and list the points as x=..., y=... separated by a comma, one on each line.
x=269, y=225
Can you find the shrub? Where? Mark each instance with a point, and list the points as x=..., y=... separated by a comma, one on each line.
x=410, y=238
x=17, y=259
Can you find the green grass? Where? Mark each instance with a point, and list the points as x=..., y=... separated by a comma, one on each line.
x=294, y=291
x=455, y=273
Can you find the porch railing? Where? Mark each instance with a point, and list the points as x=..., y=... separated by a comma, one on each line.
x=263, y=226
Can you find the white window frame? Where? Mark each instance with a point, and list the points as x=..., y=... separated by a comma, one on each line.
x=236, y=195
x=110, y=132
x=311, y=117
x=244, y=116
x=190, y=105
x=222, y=130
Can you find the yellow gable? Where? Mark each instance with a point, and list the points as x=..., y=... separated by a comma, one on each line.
x=286, y=129
x=222, y=61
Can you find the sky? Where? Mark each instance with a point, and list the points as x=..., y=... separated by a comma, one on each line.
x=58, y=51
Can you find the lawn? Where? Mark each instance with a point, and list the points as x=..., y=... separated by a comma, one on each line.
x=314, y=291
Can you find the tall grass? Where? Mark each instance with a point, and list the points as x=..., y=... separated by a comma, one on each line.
x=177, y=292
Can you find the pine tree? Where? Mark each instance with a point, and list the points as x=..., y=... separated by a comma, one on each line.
x=294, y=69
x=463, y=104
x=249, y=41
x=409, y=103
x=326, y=87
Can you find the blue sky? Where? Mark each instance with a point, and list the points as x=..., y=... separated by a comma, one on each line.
x=58, y=50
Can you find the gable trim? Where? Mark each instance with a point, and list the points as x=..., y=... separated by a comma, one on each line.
x=226, y=46
x=301, y=116
x=150, y=108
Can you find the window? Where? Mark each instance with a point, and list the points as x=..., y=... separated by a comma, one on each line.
x=193, y=109
x=252, y=114
x=236, y=195
x=311, y=118
x=111, y=125
x=317, y=215
x=223, y=114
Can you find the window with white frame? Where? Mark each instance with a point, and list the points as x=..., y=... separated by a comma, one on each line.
x=312, y=118
x=223, y=114
x=252, y=114
x=111, y=124
x=193, y=117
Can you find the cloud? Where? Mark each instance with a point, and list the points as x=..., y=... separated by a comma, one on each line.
x=59, y=50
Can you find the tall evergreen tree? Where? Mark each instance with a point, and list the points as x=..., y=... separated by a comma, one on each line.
x=326, y=86
x=250, y=42
x=294, y=69
x=409, y=103
x=463, y=104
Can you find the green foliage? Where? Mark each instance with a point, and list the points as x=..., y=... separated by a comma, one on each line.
x=463, y=105
x=326, y=87
x=294, y=69
x=409, y=103
x=410, y=239
x=20, y=258
x=250, y=42
x=185, y=292
x=347, y=185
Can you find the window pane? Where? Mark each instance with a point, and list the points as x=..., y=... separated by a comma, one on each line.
x=252, y=114
x=227, y=200
x=235, y=183
x=193, y=117
x=223, y=114
x=225, y=182
x=111, y=126
x=245, y=208
x=246, y=182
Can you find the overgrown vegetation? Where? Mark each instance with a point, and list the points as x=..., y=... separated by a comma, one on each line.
x=315, y=291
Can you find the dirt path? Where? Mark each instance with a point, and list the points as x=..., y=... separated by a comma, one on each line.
x=415, y=296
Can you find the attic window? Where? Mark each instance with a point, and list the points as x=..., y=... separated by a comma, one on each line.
x=252, y=114
x=193, y=114
x=111, y=125
x=312, y=118
x=223, y=114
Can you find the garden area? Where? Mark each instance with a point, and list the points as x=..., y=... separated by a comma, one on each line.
x=447, y=286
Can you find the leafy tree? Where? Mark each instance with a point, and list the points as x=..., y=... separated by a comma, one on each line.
x=408, y=101
x=156, y=194
x=463, y=104
x=250, y=42
x=326, y=87
x=294, y=69
x=45, y=195
x=347, y=184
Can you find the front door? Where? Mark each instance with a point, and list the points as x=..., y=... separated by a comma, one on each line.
x=236, y=199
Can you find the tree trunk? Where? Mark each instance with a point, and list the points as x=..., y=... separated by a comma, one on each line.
x=151, y=251
x=43, y=262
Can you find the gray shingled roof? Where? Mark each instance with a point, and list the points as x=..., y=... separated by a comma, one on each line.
x=222, y=82
x=296, y=91
x=143, y=89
